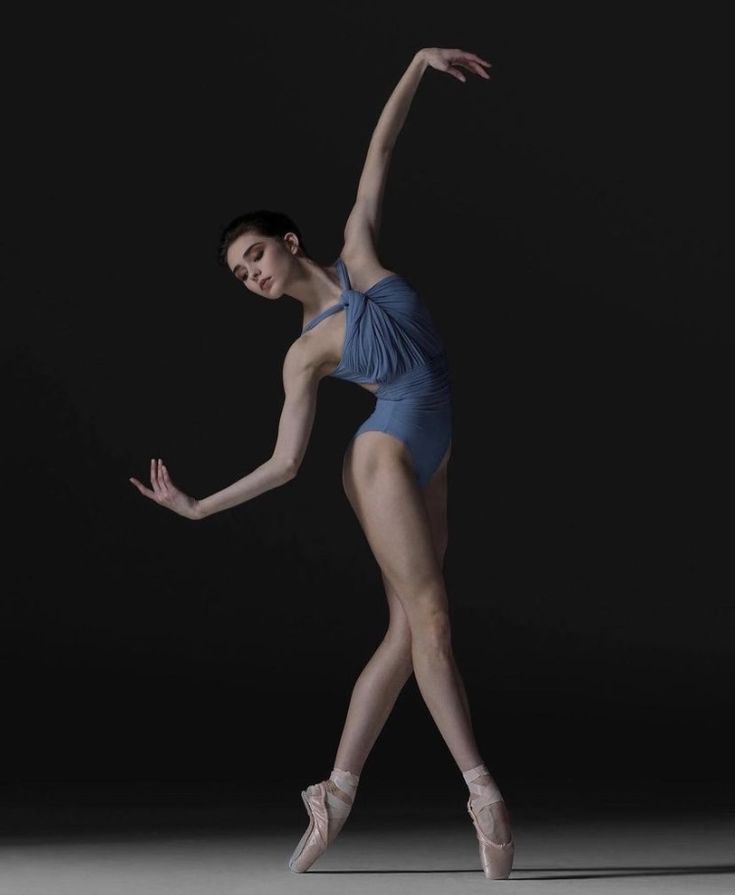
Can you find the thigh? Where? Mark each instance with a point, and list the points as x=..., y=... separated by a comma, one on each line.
x=435, y=497
x=392, y=510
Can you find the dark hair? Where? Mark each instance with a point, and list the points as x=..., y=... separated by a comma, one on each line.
x=264, y=222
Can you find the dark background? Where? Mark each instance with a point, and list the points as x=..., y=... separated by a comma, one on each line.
x=568, y=224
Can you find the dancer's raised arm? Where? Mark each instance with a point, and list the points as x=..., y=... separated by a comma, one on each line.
x=301, y=375
x=363, y=224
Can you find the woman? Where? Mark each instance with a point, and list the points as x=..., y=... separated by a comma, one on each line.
x=394, y=472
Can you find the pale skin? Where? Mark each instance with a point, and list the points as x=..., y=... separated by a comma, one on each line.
x=405, y=525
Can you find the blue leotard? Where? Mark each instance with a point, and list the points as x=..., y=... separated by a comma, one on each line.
x=390, y=339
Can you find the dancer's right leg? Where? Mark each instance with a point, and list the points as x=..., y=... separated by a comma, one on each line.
x=373, y=696
x=376, y=690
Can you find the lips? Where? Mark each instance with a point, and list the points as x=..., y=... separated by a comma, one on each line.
x=266, y=284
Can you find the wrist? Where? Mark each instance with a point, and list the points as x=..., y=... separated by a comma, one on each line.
x=200, y=511
x=420, y=62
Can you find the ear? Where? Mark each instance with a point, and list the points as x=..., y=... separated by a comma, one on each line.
x=292, y=242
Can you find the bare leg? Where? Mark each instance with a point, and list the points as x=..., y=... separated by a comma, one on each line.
x=394, y=517
x=378, y=687
x=373, y=697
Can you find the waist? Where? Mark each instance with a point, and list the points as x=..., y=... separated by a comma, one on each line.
x=430, y=381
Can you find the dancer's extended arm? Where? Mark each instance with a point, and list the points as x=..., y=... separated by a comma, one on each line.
x=301, y=376
x=364, y=220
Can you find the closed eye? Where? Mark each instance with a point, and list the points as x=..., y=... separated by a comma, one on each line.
x=245, y=275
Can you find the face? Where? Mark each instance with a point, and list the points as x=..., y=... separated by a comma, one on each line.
x=260, y=263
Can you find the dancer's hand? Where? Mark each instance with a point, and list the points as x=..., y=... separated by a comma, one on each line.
x=166, y=494
x=448, y=60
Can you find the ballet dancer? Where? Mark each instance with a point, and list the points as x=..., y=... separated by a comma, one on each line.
x=369, y=325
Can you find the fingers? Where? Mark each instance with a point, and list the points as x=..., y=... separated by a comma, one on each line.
x=478, y=70
x=472, y=62
x=160, y=480
x=142, y=488
x=163, y=487
x=165, y=477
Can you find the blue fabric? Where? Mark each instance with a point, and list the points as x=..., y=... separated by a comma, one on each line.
x=390, y=339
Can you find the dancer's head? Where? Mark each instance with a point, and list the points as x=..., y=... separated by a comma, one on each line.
x=260, y=245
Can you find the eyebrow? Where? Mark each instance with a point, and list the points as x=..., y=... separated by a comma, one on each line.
x=244, y=254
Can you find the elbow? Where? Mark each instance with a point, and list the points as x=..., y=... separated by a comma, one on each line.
x=287, y=469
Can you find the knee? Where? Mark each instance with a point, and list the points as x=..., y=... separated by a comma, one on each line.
x=398, y=639
x=432, y=631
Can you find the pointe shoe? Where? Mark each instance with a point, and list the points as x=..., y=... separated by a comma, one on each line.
x=496, y=857
x=322, y=829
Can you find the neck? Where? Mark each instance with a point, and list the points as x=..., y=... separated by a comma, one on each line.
x=316, y=287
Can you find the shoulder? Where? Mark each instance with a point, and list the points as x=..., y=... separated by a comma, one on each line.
x=363, y=267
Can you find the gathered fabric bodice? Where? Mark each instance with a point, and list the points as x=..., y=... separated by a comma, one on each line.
x=390, y=339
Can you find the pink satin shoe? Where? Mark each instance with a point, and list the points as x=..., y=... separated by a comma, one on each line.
x=327, y=814
x=496, y=857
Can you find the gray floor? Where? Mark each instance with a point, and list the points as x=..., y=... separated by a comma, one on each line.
x=618, y=855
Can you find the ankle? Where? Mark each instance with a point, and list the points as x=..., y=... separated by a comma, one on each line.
x=343, y=784
x=483, y=788
x=483, y=780
x=338, y=793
